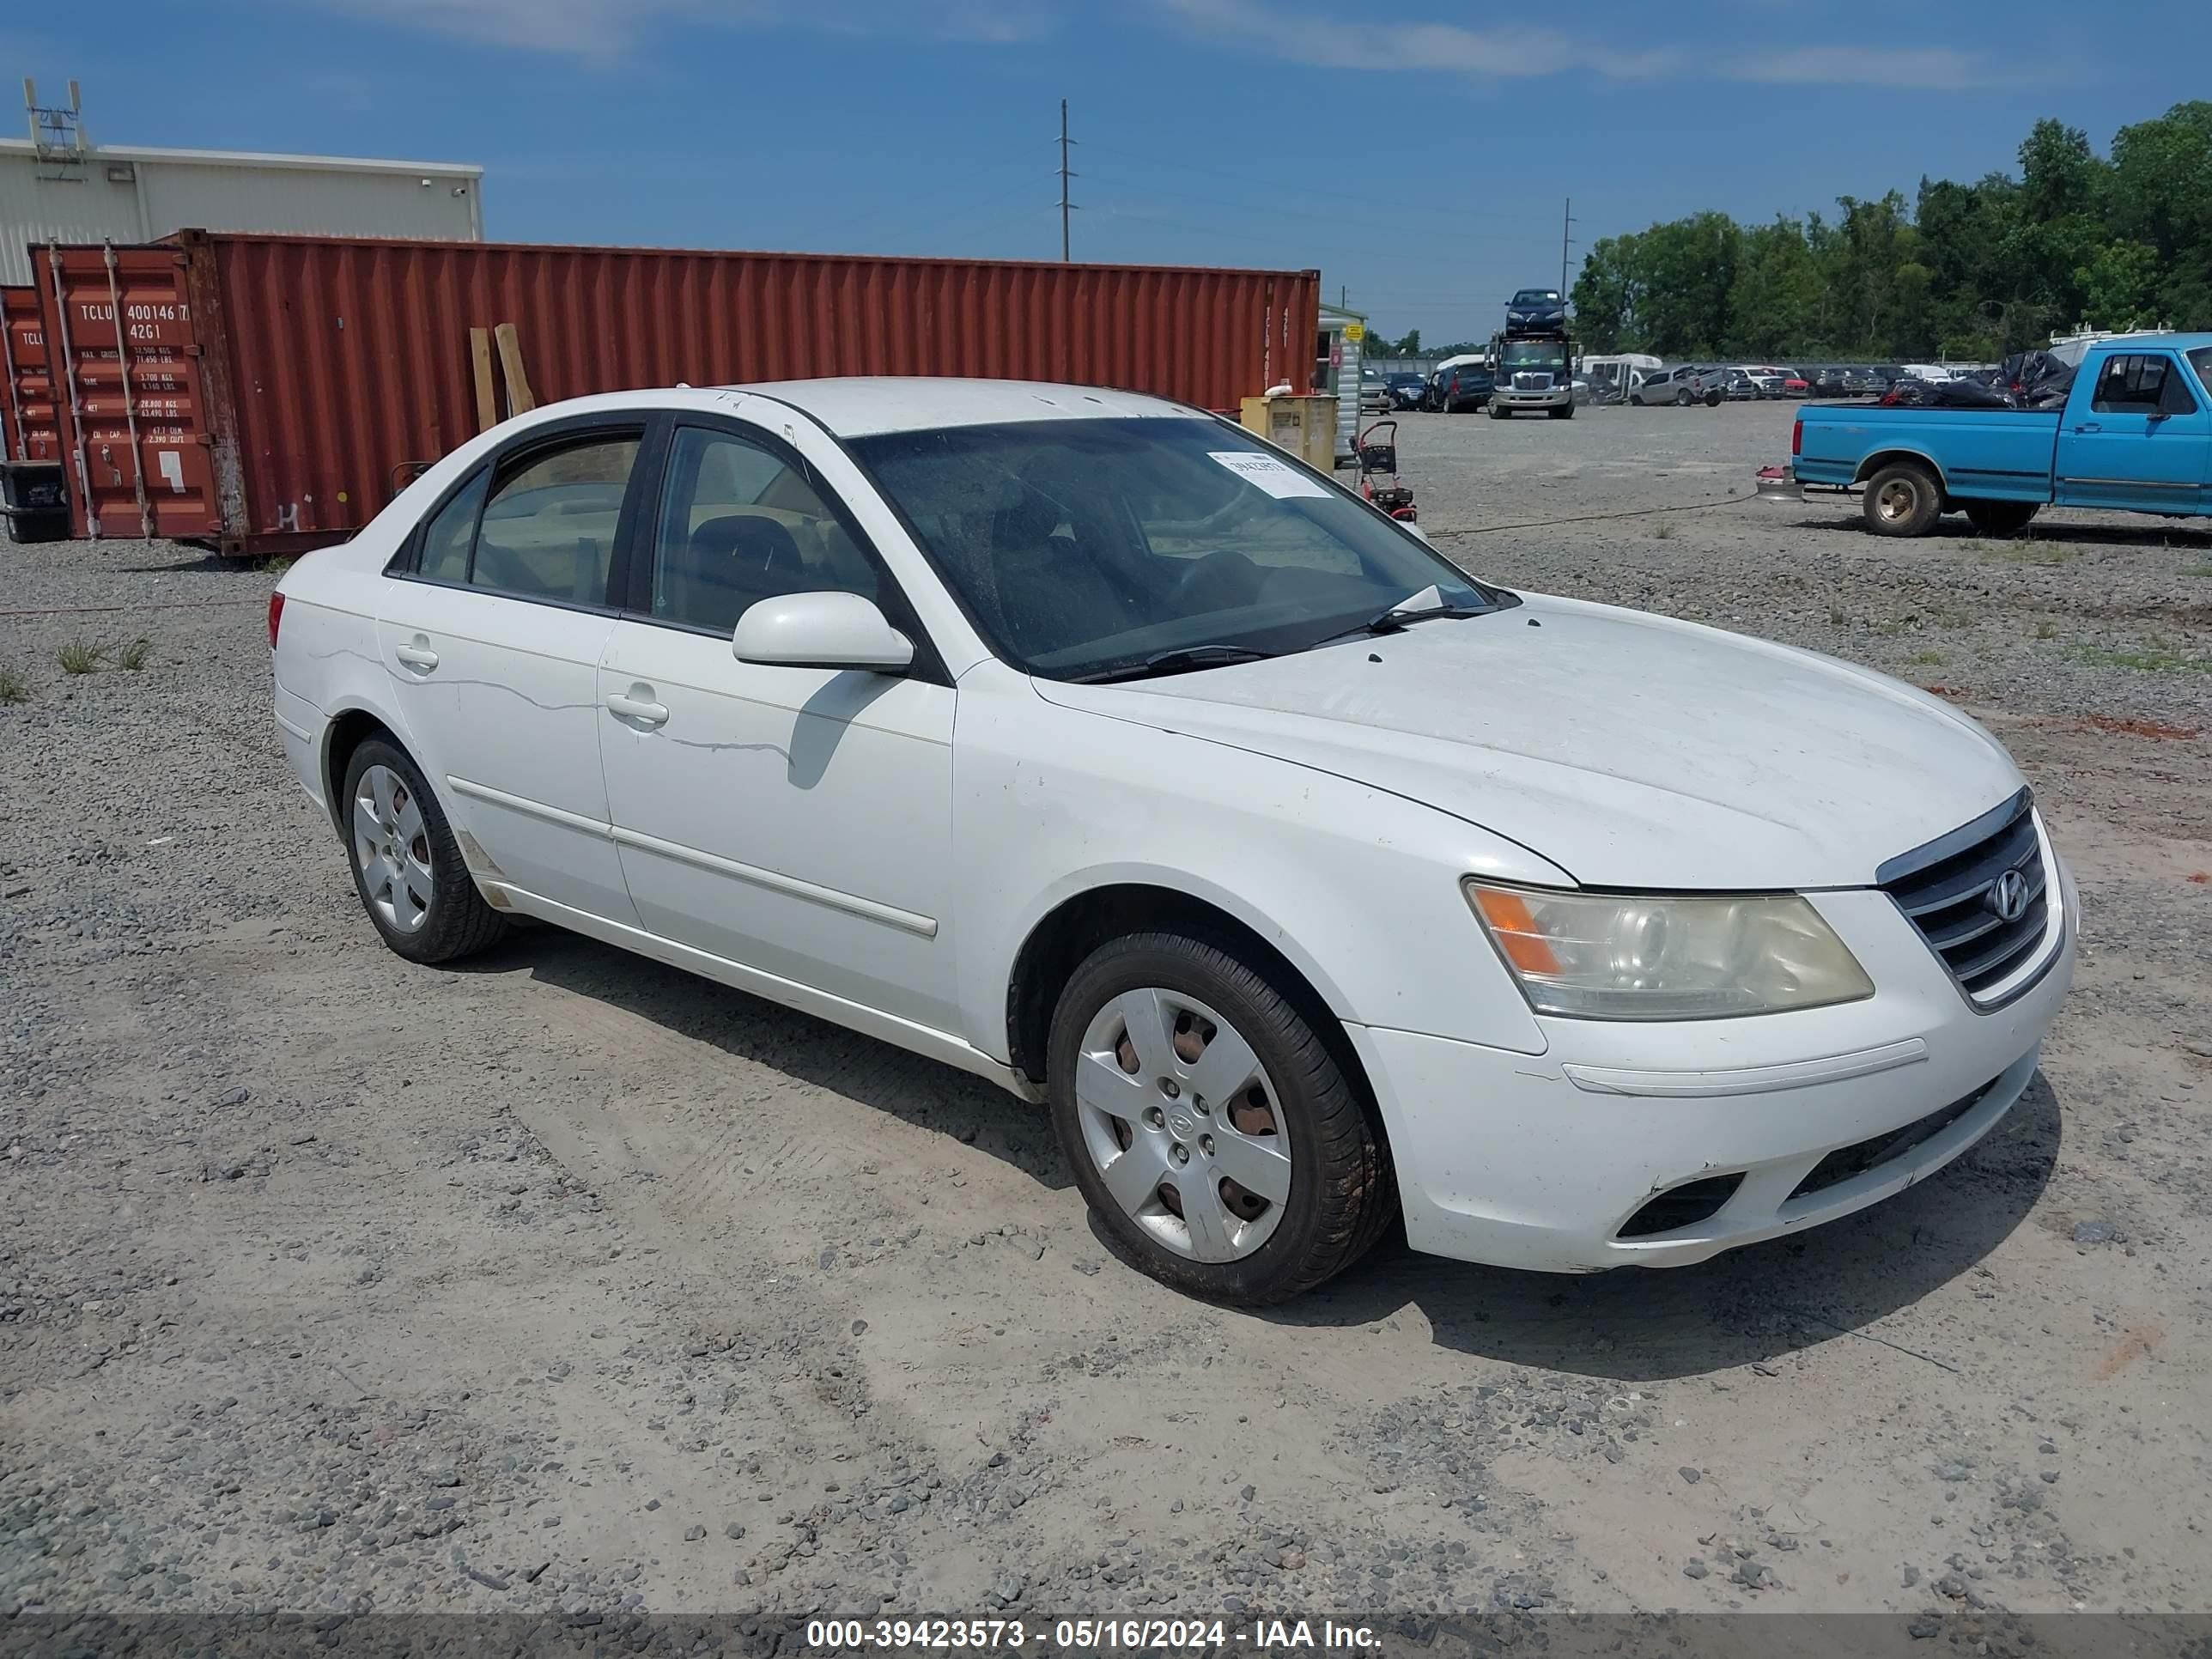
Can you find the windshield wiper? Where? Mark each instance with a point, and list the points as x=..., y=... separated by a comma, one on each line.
x=1181, y=660
x=1394, y=619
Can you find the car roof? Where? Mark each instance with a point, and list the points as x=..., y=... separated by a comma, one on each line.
x=861, y=406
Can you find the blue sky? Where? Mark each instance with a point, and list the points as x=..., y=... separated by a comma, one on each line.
x=1419, y=160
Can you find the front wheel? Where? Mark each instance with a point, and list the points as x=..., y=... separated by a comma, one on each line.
x=1712, y=400
x=1209, y=1126
x=1563, y=412
x=1903, y=498
x=2000, y=517
x=1500, y=414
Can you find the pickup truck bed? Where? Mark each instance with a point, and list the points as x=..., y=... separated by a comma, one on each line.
x=2000, y=454
x=2135, y=436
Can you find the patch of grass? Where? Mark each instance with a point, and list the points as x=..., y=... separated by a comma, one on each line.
x=1889, y=630
x=1837, y=618
x=13, y=688
x=2198, y=570
x=1663, y=531
x=277, y=563
x=79, y=657
x=2046, y=629
x=2026, y=550
x=133, y=656
x=1926, y=659
x=1944, y=616
x=2157, y=657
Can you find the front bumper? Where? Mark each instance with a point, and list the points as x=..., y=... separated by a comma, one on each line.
x=1541, y=1162
x=1550, y=398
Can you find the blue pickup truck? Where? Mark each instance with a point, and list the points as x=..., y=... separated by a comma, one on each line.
x=2135, y=435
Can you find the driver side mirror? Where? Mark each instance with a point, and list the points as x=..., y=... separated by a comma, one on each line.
x=821, y=630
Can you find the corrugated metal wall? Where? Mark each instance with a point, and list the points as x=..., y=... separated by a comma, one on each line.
x=323, y=201
x=159, y=192
x=280, y=384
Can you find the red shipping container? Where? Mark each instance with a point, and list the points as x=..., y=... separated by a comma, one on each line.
x=274, y=392
x=28, y=430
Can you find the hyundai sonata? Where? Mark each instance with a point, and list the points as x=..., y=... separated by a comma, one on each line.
x=1086, y=742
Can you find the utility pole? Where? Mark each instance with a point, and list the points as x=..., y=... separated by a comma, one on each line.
x=1566, y=224
x=1065, y=206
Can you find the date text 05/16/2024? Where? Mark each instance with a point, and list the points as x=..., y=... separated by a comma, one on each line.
x=1086, y=1635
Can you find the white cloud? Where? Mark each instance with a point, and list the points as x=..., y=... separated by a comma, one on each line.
x=597, y=28
x=1311, y=37
x=1922, y=66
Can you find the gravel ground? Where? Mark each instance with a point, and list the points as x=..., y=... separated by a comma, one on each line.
x=567, y=1286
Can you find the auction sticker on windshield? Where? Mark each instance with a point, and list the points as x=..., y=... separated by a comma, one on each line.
x=1268, y=473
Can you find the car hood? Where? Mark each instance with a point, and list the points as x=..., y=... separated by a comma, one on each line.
x=1629, y=750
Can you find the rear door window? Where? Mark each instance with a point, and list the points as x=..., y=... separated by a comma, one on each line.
x=548, y=531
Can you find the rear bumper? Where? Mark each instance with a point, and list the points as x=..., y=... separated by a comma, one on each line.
x=1549, y=1162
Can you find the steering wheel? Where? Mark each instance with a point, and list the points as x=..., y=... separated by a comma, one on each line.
x=1220, y=568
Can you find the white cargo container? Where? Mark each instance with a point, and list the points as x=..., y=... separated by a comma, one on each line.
x=124, y=193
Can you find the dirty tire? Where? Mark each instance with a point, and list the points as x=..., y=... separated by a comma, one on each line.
x=2000, y=517
x=457, y=922
x=1342, y=1193
x=1903, y=498
x=1712, y=400
x=1563, y=412
x=1498, y=413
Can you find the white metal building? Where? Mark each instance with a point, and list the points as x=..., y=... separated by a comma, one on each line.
x=124, y=194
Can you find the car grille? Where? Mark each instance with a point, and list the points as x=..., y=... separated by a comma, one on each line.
x=1955, y=891
x=1532, y=383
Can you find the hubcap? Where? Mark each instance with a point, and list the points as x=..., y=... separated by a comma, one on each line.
x=1183, y=1125
x=1896, y=500
x=392, y=848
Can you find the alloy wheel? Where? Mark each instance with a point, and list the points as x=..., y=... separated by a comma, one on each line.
x=392, y=848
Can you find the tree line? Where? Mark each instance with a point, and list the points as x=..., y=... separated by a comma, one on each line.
x=1968, y=272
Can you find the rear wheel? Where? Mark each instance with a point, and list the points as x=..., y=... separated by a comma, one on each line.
x=406, y=866
x=1209, y=1125
x=1903, y=498
x=2000, y=517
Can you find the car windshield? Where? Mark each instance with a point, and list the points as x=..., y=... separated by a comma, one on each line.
x=1532, y=354
x=1536, y=296
x=1083, y=547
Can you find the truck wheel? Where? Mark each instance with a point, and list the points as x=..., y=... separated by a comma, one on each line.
x=1682, y=399
x=1903, y=498
x=2000, y=517
x=1498, y=413
x=1712, y=400
x=1563, y=412
x=1208, y=1125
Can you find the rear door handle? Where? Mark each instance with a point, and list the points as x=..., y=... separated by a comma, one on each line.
x=641, y=710
x=417, y=653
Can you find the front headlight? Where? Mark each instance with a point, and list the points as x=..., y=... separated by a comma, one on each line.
x=1599, y=955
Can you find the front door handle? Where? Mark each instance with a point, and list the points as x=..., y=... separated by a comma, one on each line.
x=417, y=653
x=2090, y=426
x=641, y=710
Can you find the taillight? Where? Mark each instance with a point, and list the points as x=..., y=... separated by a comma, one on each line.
x=1796, y=448
x=276, y=617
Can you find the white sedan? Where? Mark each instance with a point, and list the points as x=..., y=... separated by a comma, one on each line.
x=1083, y=741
